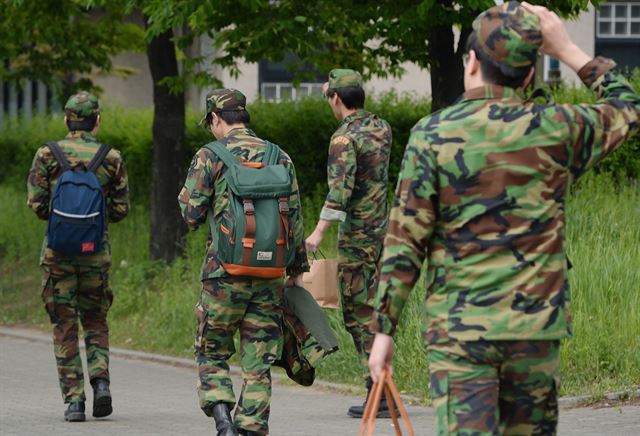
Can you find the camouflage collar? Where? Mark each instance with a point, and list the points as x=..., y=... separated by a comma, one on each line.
x=490, y=92
x=241, y=131
x=359, y=113
x=81, y=134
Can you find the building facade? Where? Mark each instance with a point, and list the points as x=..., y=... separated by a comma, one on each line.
x=612, y=31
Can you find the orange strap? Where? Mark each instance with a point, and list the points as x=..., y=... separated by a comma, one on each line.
x=373, y=403
x=249, y=239
x=256, y=165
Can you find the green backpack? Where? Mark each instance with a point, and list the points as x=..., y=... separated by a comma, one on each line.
x=254, y=234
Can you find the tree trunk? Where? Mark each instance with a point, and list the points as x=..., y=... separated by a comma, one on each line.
x=167, y=227
x=447, y=71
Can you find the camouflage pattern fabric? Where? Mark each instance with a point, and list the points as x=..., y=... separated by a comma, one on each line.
x=495, y=387
x=224, y=100
x=253, y=306
x=481, y=197
x=357, y=174
x=81, y=106
x=230, y=303
x=509, y=34
x=342, y=78
x=220, y=100
x=77, y=287
x=202, y=189
x=358, y=282
x=70, y=293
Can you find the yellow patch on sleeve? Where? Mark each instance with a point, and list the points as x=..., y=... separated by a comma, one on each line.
x=341, y=140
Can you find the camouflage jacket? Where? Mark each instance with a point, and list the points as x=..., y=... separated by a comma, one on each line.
x=358, y=177
x=198, y=195
x=481, y=196
x=79, y=147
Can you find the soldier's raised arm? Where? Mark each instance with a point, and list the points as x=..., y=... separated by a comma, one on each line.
x=595, y=130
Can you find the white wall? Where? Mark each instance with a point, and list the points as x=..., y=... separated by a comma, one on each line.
x=137, y=90
x=583, y=32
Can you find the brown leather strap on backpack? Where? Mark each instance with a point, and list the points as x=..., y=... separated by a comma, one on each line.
x=373, y=403
x=283, y=207
x=249, y=239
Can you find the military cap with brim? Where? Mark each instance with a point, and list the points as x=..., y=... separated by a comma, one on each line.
x=509, y=34
x=225, y=100
x=81, y=106
x=342, y=78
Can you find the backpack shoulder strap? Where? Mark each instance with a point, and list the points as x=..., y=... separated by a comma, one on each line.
x=59, y=155
x=221, y=151
x=98, y=158
x=272, y=154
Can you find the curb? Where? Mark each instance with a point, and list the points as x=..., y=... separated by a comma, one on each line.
x=33, y=336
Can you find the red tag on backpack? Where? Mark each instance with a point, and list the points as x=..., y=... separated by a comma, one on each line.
x=88, y=247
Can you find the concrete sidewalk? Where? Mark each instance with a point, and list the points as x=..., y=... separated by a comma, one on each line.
x=159, y=399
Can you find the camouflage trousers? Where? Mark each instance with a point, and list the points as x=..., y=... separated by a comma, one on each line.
x=254, y=307
x=71, y=293
x=495, y=387
x=358, y=282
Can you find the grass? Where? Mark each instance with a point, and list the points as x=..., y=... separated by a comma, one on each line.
x=153, y=308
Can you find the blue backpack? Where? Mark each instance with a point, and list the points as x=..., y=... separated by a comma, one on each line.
x=77, y=216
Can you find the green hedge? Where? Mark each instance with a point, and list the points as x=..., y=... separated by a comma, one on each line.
x=302, y=128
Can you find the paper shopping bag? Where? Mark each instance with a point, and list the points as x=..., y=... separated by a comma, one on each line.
x=322, y=282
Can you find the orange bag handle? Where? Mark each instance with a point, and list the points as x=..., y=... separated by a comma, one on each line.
x=371, y=410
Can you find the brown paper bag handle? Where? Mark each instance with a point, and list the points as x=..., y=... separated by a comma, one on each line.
x=315, y=256
x=371, y=410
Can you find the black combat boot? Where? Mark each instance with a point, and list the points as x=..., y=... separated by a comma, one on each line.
x=101, y=398
x=383, y=410
x=75, y=412
x=224, y=423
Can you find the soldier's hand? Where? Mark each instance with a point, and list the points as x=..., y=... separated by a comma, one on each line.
x=555, y=37
x=556, y=41
x=381, y=356
x=313, y=241
x=294, y=281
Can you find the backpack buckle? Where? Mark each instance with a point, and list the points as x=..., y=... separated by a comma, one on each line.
x=249, y=209
x=283, y=205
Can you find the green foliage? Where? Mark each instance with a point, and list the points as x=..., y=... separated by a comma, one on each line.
x=302, y=128
x=153, y=306
x=49, y=41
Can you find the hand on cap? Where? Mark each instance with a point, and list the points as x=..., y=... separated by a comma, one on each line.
x=556, y=41
x=555, y=38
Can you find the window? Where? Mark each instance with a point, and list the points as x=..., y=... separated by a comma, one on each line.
x=285, y=91
x=618, y=20
x=275, y=79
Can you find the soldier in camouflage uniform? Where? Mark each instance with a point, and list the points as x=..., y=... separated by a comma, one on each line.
x=357, y=173
x=77, y=287
x=481, y=197
x=230, y=303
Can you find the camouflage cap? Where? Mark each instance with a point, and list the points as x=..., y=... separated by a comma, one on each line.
x=509, y=34
x=223, y=100
x=81, y=105
x=341, y=78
